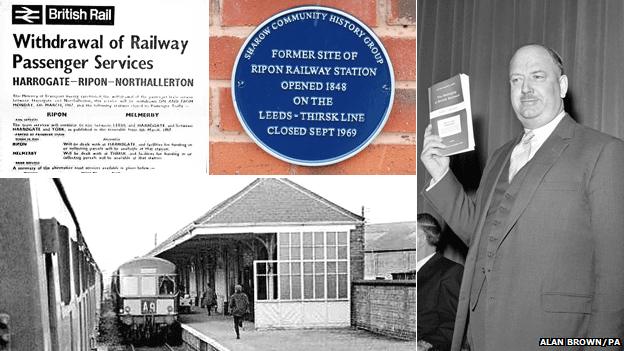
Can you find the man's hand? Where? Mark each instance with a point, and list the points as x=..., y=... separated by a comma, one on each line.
x=424, y=346
x=431, y=156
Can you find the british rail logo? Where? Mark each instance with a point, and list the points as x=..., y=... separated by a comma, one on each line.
x=27, y=14
x=63, y=15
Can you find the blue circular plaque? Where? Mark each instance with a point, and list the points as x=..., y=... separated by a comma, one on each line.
x=312, y=85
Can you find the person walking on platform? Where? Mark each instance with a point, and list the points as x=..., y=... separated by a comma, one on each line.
x=239, y=304
x=209, y=299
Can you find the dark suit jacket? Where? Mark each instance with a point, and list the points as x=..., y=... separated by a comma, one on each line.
x=438, y=290
x=559, y=267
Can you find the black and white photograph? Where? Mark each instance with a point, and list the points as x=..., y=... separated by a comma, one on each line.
x=238, y=263
x=217, y=175
x=522, y=238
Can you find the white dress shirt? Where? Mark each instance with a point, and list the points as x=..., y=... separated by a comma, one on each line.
x=542, y=133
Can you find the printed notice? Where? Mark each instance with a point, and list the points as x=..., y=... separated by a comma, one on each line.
x=313, y=85
x=449, y=126
x=115, y=88
x=450, y=114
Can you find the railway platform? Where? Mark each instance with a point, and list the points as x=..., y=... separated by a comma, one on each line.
x=218, y=332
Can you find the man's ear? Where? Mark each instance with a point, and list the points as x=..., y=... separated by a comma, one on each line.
x=563, y=85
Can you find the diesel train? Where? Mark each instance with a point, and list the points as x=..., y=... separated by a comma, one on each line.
x=50, y=285
x=145, y=297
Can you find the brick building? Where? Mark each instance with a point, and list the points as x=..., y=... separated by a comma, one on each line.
x=294, y=252
x=232, y=151
x=387, y=306
x=390, y=250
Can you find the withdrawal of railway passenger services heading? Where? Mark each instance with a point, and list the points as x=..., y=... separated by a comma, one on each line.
x=140, y=43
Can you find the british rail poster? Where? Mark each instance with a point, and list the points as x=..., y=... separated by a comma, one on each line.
x=103, y=87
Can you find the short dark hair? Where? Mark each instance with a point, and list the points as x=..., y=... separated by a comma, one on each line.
x=431, y=227
x=555, y=57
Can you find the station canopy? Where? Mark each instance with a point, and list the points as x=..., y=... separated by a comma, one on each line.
x=264, y=204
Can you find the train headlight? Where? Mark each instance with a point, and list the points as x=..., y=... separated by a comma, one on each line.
x=169, y=309
x=127, y=309
x=121, y=310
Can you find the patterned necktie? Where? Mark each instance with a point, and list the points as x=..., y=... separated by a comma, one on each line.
x=520, y=154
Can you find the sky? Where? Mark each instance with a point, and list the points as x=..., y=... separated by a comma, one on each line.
x=120, y=216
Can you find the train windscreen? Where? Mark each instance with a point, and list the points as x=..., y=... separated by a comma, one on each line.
x=129, y=286
x=148, y=285
x=166, y=285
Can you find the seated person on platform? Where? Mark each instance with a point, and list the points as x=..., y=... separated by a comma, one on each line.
x=438, y=281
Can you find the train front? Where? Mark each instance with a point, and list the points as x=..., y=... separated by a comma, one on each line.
x=147, y=299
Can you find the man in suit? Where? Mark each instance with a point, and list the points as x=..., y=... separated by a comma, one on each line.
x=545, y=228
x=438, y=288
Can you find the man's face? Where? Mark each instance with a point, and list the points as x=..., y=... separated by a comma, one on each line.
x=537, y=88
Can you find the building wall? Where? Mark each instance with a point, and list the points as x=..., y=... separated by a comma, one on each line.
x=232, y=151
x=384, y=306
x=381, y=264
x=356, y=252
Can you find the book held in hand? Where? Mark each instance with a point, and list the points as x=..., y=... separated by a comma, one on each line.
x=450, y=114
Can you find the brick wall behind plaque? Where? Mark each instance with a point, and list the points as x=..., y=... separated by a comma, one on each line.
x=392, y=152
